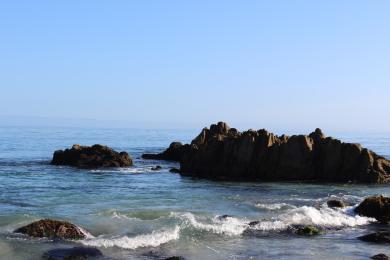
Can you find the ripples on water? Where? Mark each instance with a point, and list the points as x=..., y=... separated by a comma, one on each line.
x=136, y=213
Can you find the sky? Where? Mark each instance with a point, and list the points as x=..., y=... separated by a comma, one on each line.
x=254, y=64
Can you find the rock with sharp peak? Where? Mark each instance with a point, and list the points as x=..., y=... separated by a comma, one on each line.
x=221, y=152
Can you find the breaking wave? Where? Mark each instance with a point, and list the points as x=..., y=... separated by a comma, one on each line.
x=324, y=217
x=153, y=239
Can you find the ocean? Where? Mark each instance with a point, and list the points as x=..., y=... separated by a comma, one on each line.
x=137, y=213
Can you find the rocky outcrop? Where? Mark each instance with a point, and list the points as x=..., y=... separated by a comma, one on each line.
x=75, y=253
x=375, y=207
x=175, y=152
x=52, y=229
x=221, y=152
x=91, y=157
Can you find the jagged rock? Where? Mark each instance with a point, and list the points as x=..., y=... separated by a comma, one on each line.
x=221, y=152
x=375, y=207
x=380, y=257
x=156, y=168
x=52, y=229
x=335, y=204
x=174, y=170
x=173, y=153
x=75, y=253
x=91, y=157
x=377, y=237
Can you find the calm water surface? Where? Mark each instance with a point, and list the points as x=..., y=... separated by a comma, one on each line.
x=136, y=213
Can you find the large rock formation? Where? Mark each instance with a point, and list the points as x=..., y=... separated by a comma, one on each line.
x=52, y=229
x=375, y=207
x=91, y=157
x=222, y=152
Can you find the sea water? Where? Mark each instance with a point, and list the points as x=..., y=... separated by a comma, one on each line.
x=136, y=213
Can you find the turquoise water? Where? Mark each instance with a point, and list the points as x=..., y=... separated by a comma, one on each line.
x=136, y=213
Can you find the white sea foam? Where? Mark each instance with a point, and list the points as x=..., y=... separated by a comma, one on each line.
x=274, y=206
x=228, y=226
x=134, y=170
x=153, y=239
x=324, y=217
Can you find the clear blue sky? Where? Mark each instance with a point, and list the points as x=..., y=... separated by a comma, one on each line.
x=272, y=64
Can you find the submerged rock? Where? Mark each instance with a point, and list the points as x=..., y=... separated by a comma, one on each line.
x=75, y=253
x=377, y=237
x=308, y=231
x=91, y=157
x=221, y=152
x=375, y=207
x=52, y=229
x=156, y=168
x=335, y=204
x=380, y=257
x=174, y=170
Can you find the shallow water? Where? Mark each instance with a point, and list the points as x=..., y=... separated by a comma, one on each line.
x=136, y=213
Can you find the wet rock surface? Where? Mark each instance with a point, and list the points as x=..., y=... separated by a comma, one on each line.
x=95, y=156
x=336, y=204
x=75, y=253
x=377, y=237
x=380, y=257
x=221, y=152
x=375, y=207
x=52, y=229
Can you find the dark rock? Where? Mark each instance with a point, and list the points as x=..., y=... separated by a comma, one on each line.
x=307, y=231
x=91, y=157
x=175, y=153
x=380, y=257
x=375, y=207
x=174, y=170
x=156, y=168
x=175, y=258
x=377, y=237
x=224, y=153
x=223, y=217
x=335, y=204
x=253, y=223
x=52, y=229
x=75, y=253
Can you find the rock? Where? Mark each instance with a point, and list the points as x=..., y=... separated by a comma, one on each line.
x=377, y=237
x=175, y=153
x=221, y=152
x=253, y=223
x=175, y=258
x=156, y=168
x=223, y=217
x=52, y=229
x=174, y=170
x=308, y=231
x=75, y=253
x=91, y=157
x=380, y=257
x=335, y=204
x=375, y=207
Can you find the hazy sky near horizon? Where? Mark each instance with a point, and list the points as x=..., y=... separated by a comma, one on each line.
x=272, y=64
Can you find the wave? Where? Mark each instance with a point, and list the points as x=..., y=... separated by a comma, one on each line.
x=323, y=217
x=228, y=225
x=153, y=239
x=133, y=170
x=274, y=206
